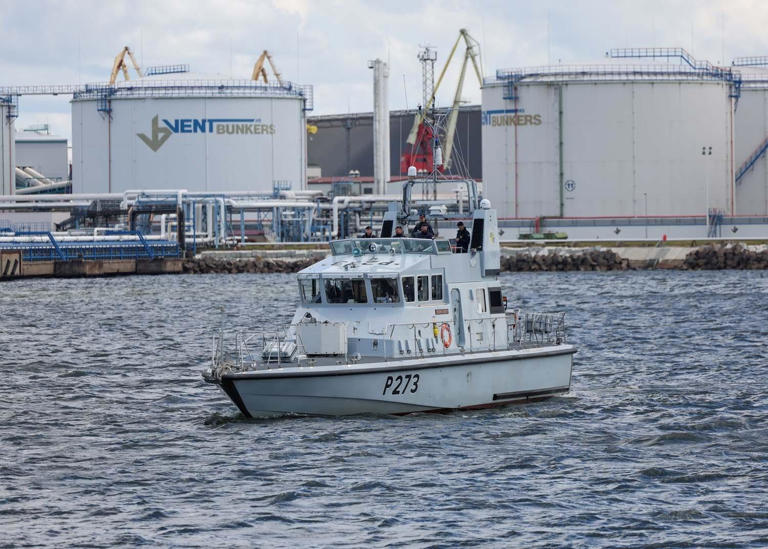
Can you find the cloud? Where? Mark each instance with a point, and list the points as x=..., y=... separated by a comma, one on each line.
x=328, y=43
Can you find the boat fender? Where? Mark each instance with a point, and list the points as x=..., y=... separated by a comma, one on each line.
x=435, y=331
x=445, y=335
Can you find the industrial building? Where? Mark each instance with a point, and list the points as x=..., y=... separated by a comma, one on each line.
x=344, y=142
x=44, y=153
x=621, y=139
x=751, y=137
x=171, y=129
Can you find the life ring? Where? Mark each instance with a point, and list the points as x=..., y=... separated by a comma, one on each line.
x=445, y=335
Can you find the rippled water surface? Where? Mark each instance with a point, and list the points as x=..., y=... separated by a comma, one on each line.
x=109, y=436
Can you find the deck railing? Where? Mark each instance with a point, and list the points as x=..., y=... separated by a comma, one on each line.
x=237, y=351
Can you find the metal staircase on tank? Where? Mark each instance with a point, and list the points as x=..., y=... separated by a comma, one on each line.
x=751, y=160
x=715, y=223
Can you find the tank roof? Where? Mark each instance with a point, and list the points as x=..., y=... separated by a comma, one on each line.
x=624, y=64
x=188, y=84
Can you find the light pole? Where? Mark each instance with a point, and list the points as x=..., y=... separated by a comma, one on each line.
x=645, y=199
x=706, y=151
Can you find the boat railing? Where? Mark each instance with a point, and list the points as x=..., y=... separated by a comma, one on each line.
x=425, y=342
x=238, y=351
x=536, y=329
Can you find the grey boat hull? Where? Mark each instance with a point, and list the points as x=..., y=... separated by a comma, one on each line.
x=467, y=381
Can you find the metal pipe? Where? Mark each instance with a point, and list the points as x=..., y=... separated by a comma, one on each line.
x=38, y=176
x=59, y=197
x=222, y=219
x=258, y=204
x=47, y=206
x=344, y=201
x=27, y=178
x=560, y=148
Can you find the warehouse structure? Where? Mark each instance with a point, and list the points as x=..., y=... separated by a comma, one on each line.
x=44, y=153
x=171, y=129
x=344, y=142
x=751, y=137
x=622, y=139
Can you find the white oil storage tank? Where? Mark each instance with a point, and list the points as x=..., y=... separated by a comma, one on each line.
x=176, y=130
x=751, y=137
x=7, y=146
x=621, y=139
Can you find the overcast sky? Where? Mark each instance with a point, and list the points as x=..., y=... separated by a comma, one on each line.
x=328, y=43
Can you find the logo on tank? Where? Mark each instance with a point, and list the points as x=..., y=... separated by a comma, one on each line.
x=510, y=117
x=163, y=130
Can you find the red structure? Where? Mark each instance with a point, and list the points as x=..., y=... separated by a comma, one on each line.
x=421, y=153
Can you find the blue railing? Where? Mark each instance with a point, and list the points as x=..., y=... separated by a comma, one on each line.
x=749, y=162
x=53, y=250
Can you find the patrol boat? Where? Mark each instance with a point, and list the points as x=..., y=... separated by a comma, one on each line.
x=396, y=326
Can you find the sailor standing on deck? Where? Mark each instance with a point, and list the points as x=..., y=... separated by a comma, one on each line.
x=368, y=233
x=399, y=232
x=418, y=227
x=462, y=238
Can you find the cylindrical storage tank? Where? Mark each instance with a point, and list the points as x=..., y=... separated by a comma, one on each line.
x=7, y=147
x=194, y=133
x=751, y=143
x=607, y=141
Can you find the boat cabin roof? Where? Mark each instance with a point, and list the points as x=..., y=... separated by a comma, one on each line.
x=392, y=246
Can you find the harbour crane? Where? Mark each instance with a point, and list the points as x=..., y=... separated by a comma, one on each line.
x=120, y=64
x=421, y=137
x=260, y=71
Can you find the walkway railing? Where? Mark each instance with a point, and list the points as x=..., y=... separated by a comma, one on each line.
x=236, y=352
x=49, y=248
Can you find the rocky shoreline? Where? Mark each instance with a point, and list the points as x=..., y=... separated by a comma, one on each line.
x=709, y=257
x=736, y=256
x=257, y=264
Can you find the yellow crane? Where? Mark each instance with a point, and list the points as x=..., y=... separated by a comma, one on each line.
x=120, y=64
x=471, y=53
x=260, y=71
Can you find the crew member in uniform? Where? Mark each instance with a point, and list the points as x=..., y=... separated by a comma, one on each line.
x=462, y=238
x=422, y=223
x=399, y=232
x=368, y=233
x=425, y=232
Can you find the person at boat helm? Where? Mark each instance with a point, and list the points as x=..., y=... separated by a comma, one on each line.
x=425, y=232
x=462, y=238
x=368, y=233
x=422, y=223
x=399, y=232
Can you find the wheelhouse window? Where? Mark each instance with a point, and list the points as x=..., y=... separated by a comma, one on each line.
x=496, y=301
x=408, y=289
x=437, y=287
x=345, y=290
x=384, y=290
x=310, y=290
x=423, y=286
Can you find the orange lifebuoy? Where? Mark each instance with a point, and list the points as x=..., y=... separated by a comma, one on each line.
x=445, y=335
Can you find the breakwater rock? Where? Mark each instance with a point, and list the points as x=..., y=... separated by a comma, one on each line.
x=727, y=256
x=256, y=264
x=562, y=259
